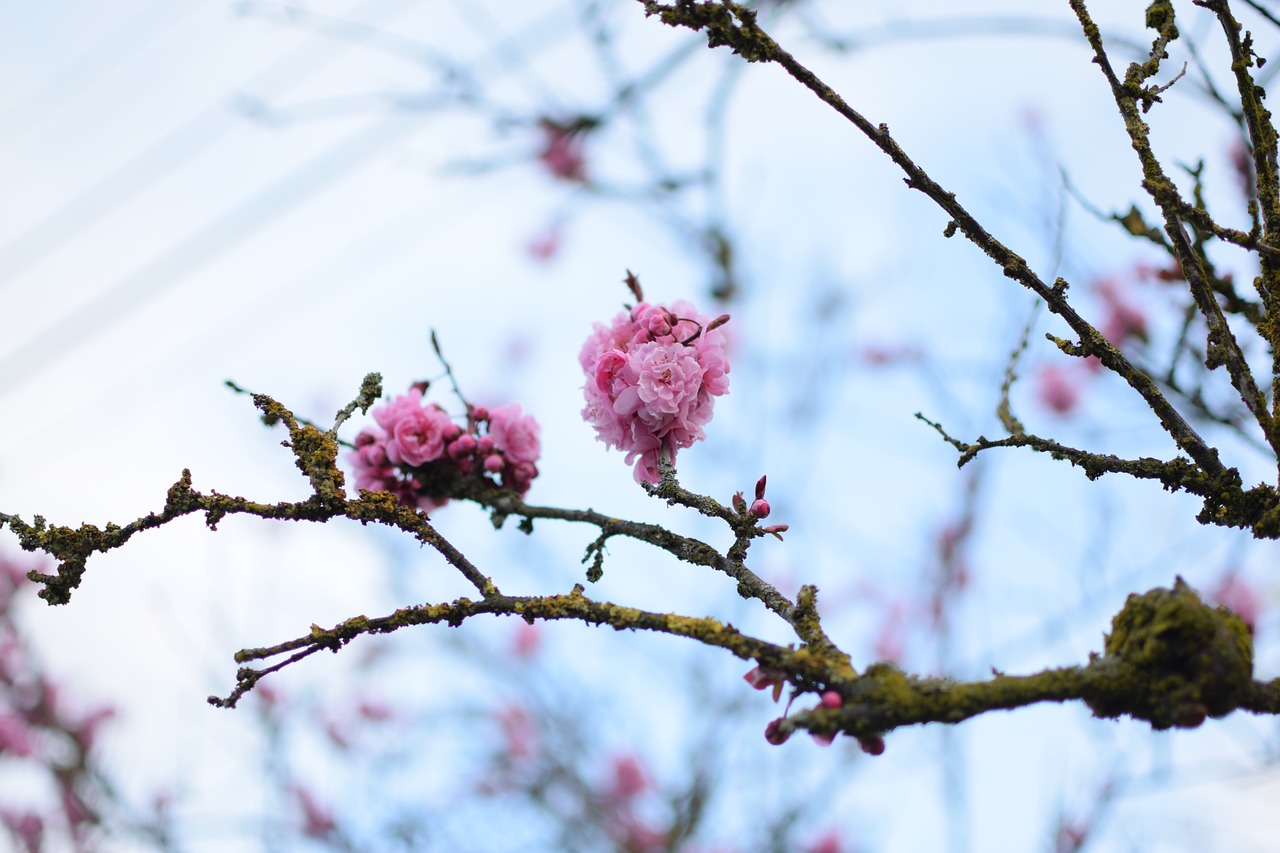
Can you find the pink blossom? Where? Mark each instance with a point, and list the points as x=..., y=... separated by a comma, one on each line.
x=391, y=412
x=74, y=808
x=829, y=843
x=418, y=453
x=636, y=837
x=317, y=821
x=27, y=827
x=889, y=641
x=418, y=437
x=1234, y=593
x=369, y=458
x=416, y=434
x=652, y=376
x=15, y=736
x=562, y=152
x=629, y=778
x=517, y=733
x=546, y=245
x=1056, y=390
x=1123, y=320
x=515, y=434
x=373, y=710
x=527, y=640
x=668, y=378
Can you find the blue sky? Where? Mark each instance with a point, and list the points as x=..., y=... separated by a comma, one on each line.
x=197, y=192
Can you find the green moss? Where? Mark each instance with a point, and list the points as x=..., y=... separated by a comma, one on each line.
x=1160, y=15
x=1172, y=659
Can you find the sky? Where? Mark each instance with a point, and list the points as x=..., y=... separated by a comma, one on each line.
x=290, y=197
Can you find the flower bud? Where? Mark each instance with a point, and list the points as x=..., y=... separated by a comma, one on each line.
x=739, y=504
x=760, y=487
x=872, y=745
x=774, y=734
x=718, y=322
x=823, y=739
x=451, y=432
x=760, y=508
x=493, y=463
x=465, y=445
x=479, y=413
x=832, y=699
x=484, y=444
x=657, y=325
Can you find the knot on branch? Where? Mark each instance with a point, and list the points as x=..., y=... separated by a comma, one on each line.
x=1172, y=659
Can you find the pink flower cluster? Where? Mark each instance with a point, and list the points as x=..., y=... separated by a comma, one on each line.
x=652, y=378
x=419, y=454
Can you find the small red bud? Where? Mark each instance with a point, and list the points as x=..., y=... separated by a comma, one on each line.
x=872, y=745
x=484, y=444
x=718, y=322
x=479, y=413
x=774, y=734
x=832, y=699
x=823, y=739
x=465, y=445
x=760, y=487
x=738, y=503
x=760, y=508
x=493, y=463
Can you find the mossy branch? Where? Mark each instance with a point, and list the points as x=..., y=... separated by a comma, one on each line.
x=1226, y=502
x=1133, y=97
x=1170, y=660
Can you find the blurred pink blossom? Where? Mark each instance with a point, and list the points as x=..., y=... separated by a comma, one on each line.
x=15, y=736
x=517, y=733
x=562, y=149
x=545, y=245
x=527, y=639
x=1056, y=390
x=1238, y=596
x=891, y=637
x=828, y=843
x=317, y=821
x=630, y=778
